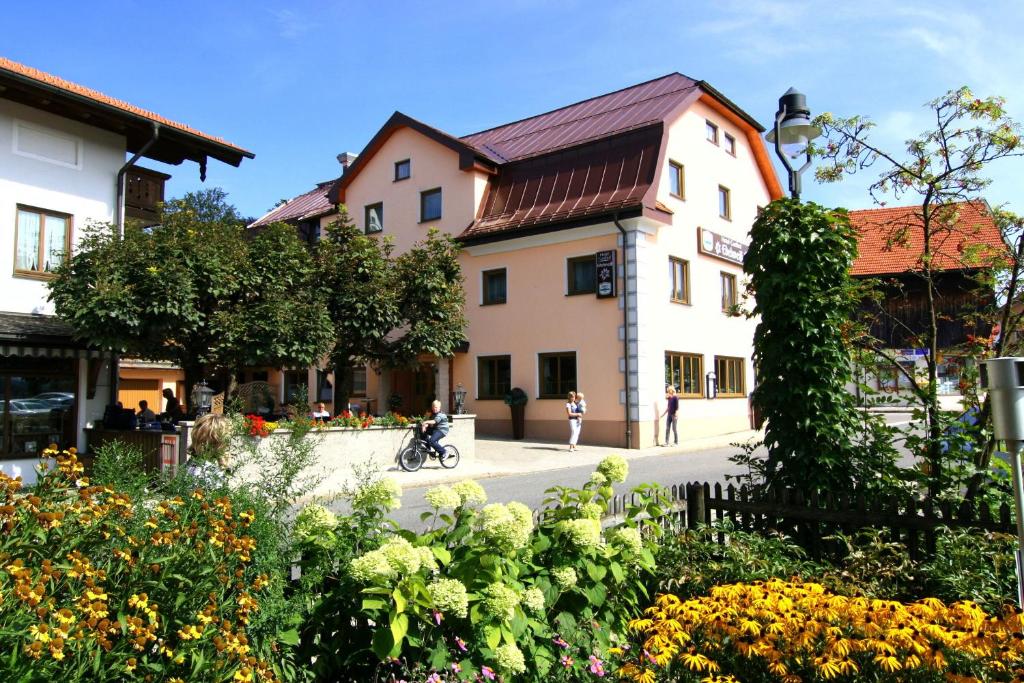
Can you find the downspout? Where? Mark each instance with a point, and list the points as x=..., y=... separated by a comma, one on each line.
x=119, y=196
x=115, y=361
x=625, y=326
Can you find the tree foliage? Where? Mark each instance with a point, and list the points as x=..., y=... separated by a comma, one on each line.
x=198, y=290
x=387, y=310
x=939, y=170
x=798, y=264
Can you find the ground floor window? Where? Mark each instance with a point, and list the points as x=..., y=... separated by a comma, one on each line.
x=38, y=406
x=893, y=379
x=359, y=380
x=295, y=382
x=494, y=377
x=685, y=372
x=557, y=374
x=731, y=377
x=950, y=371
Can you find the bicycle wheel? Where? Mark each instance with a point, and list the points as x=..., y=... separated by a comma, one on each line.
x=410, y=459
x=450, y=458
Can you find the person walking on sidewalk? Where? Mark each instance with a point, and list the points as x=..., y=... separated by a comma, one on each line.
x=671, y=415
x=572, y=410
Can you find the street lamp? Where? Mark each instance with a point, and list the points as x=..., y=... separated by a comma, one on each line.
x=460, y=398
x=792, y=135
x=202, y=398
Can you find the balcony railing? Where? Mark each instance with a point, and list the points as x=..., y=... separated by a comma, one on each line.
x=144, y=191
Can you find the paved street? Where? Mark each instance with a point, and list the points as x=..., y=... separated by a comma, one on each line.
x=522, y=471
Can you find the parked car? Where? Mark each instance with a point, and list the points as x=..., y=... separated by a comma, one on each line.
x=57, y=399
x=28, y=406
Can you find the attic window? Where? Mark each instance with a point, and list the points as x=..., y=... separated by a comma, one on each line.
x=711, y=132
x=403, y=169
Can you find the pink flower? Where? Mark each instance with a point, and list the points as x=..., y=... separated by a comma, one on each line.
x=488, y=673
x=456, y=667
x=460, y=643
x=596, y=666
x=565, y=661
x=560, y=643
x=433, y=678
x=437, y=617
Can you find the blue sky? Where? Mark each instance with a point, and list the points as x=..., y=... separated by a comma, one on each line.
x=299, y=82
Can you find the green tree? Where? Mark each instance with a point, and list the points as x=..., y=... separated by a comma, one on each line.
x=198, y=290
x=939, y=169
x=388, y=310
x=798, y=265
x=354, y=272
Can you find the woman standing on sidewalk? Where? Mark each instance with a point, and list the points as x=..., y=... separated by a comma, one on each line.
x=575, y=423
x=671, y=414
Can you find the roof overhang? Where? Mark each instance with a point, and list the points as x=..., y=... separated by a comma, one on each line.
x=470, y=158
x=175, y=144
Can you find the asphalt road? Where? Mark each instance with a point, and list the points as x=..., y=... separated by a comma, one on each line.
x=709, y=465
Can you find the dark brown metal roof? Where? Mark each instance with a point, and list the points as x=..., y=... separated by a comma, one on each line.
x=627, y=109
x=312, y=204
x=602, y=177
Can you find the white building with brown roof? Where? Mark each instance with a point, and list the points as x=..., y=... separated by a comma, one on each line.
x=64, y=163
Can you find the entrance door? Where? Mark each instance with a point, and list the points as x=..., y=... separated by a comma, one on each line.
x=416, y=388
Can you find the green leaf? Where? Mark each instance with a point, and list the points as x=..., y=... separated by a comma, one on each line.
x=290, y=637
x=372, y=604
x=383, y=643
x=399, y=627
x=596, y=572
x=492, y=635
x=400, y=601
x=442, y=554
x=616, y=570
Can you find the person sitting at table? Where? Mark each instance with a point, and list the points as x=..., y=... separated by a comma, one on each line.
x=172, y=410
x=320, y=413
x=145, y=414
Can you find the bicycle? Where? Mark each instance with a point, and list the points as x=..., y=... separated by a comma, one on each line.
x=415, y=454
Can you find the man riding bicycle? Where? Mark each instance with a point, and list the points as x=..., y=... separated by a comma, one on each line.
x=437, y=425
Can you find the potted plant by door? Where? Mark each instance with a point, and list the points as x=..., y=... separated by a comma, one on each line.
x=516, y=399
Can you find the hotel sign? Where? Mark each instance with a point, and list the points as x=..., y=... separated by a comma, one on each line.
x=720, y=246
x=605, y=261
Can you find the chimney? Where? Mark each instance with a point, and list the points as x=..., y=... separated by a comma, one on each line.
x=346, y=158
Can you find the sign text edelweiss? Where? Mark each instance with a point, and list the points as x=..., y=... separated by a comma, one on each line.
x=720, y=246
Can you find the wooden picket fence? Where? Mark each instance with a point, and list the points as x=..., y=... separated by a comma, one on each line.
x=810, y=520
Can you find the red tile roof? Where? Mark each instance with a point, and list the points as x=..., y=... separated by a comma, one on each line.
x=630, y=108
x=588, y=181
x=309, y=205
x=13, y=69
x=891, y=239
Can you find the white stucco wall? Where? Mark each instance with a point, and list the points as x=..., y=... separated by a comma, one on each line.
x=85, y=191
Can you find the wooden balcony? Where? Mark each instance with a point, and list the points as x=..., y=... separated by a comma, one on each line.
x=144, y=191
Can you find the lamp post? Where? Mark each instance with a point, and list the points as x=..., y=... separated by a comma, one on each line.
x=460, y=398
x=792, y=135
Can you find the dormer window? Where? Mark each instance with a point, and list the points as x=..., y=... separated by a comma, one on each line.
x=403, y=169
x=374, y=218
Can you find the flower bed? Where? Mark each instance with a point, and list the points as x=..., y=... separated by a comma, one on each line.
x=96, y=584
x=793, y=631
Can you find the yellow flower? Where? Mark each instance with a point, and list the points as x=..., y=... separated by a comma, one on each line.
x=40, y=632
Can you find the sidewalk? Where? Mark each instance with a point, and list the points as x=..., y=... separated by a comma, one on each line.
x=502, y=457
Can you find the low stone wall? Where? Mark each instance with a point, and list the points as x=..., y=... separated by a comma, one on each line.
x=339, y=449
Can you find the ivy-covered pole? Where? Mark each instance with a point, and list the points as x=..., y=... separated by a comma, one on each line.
x=798, y=265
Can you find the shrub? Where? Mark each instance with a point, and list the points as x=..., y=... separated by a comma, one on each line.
x=97, y=584
x=484, y=591
x=691, y=561
x=776, y=630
